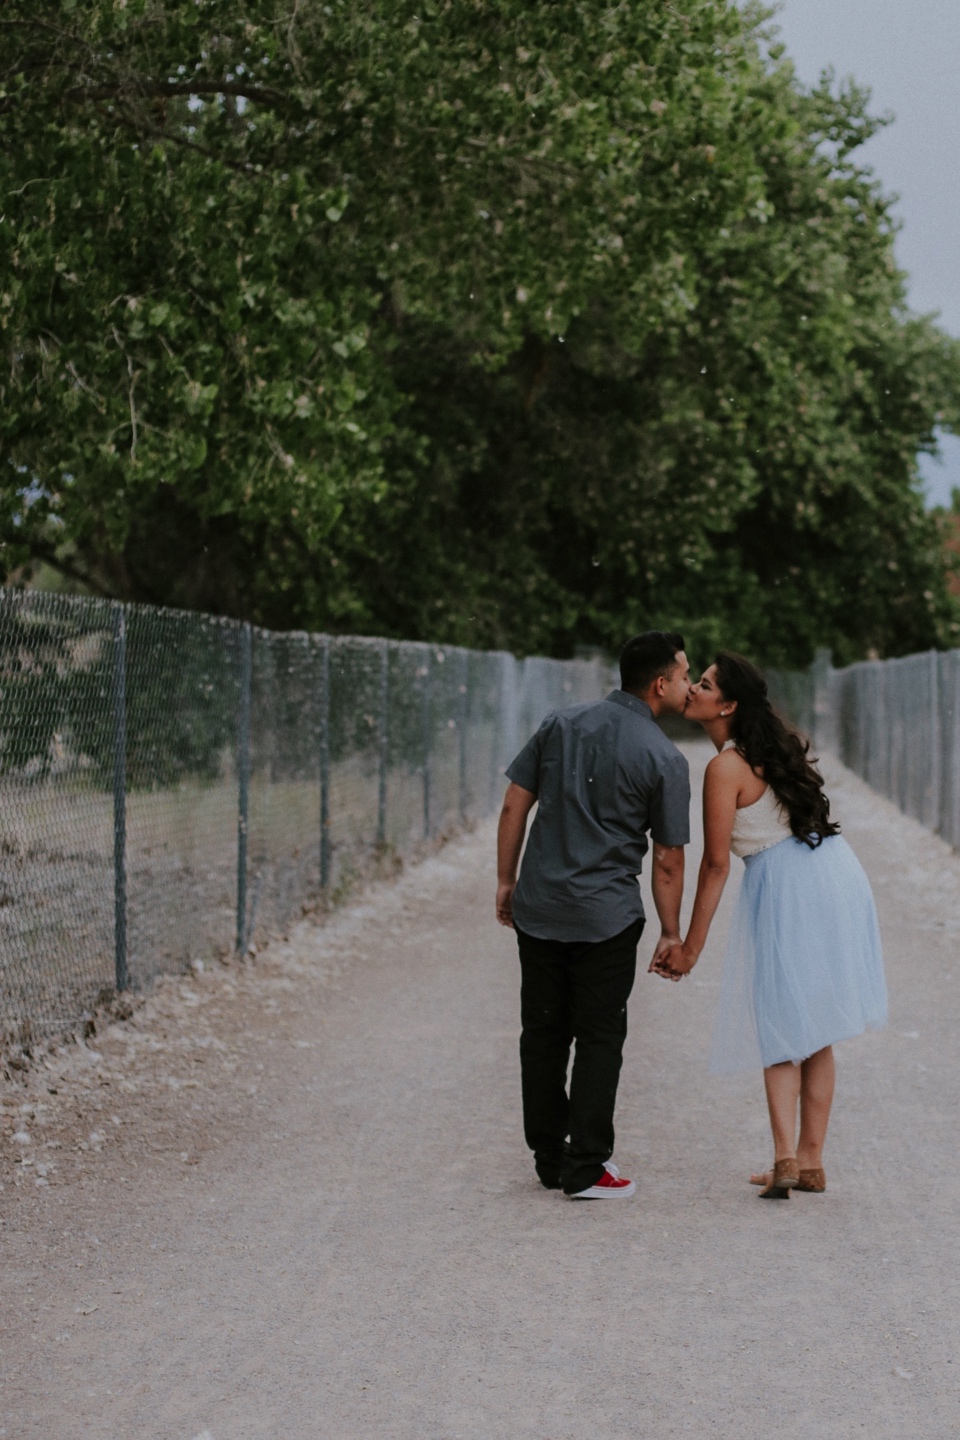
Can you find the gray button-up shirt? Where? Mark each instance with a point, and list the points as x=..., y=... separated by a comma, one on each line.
x=604, y=775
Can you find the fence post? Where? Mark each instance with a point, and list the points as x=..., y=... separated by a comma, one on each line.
x=934, y=810
x=382, y=740
x=953, y=749
x=243, y=782
x=120, y=797
x=821, y=718
x=509, y=710
x=464, y=716
x=426, y=722
x=493, y=709
x=324, y=763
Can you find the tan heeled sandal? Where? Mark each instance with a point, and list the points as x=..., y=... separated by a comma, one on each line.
x=814, y=1181
x=783, y=1178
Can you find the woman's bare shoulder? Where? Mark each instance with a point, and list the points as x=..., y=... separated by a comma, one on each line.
x=727, y=764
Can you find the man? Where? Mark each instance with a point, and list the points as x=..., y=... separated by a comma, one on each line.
x=602, y=775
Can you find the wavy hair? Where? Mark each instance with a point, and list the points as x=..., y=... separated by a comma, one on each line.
x=773, y=748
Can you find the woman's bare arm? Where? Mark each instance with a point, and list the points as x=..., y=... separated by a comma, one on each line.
x=721, y=788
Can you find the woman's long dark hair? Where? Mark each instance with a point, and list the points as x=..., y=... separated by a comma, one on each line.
x=779, y=753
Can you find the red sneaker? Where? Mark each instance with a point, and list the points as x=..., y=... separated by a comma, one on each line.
x=608, y=1187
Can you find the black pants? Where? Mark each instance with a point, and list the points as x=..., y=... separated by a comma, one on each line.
x=573, y=991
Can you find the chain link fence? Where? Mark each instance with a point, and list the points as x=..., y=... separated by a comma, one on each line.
x=176, y=786
x=895, y=723
x=792, y=696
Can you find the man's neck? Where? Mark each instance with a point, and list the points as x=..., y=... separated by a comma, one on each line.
x=653, y=702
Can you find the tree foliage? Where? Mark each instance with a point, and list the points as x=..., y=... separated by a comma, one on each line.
x=467, y=320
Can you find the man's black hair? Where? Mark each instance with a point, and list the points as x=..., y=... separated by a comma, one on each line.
x=648, y=656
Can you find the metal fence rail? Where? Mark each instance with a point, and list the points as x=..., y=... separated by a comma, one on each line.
x=895, y=723
x=175, y=786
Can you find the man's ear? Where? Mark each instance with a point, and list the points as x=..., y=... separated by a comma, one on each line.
x=659, y=685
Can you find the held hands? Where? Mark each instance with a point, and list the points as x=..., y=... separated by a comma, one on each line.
x=505, y=904
x=672, y=959
x=667, y=945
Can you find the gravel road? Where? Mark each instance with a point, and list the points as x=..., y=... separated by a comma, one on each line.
x=290, y=1200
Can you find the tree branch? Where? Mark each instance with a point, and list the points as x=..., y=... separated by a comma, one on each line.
x=48, y=555
x=243, y=166
x=153, y=89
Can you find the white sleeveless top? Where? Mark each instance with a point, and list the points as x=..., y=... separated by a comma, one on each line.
x=758, y=826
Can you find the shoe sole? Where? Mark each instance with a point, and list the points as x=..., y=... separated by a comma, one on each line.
x=603, y=1192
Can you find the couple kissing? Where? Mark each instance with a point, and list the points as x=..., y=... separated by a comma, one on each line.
x=803, y=969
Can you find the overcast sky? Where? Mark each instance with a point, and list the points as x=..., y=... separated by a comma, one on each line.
x=908, y=53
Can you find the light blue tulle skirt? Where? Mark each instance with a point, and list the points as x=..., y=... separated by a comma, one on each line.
x=804, y=967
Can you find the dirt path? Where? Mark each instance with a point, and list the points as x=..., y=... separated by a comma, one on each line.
x=290, y=1201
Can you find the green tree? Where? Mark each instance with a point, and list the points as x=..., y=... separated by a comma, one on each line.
x=506, y=324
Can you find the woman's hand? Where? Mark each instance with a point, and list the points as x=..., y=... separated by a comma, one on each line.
x=682, y=961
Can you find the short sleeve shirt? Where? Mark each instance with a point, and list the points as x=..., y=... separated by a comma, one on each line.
x=605, y=777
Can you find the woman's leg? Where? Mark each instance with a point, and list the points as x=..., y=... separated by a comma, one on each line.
x=818, y=1076
x=782, y=1084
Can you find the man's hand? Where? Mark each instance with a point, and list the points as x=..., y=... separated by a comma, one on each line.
x=675, y=963
x=665, y=944
x=505, y=904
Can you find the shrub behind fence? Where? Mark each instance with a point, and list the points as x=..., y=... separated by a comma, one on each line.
x=175, y=786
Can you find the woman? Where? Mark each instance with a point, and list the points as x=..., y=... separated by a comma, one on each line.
x=804, y=967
